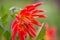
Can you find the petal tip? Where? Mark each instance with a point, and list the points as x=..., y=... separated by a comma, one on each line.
x=39, y=3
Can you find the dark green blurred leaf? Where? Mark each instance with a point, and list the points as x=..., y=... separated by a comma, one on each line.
x=41, y=33
x=17, y=37
x=1, y=30
x=13, y=16
x=5, y=23
x=4, y=19
x=29, y=38
x=7, y=35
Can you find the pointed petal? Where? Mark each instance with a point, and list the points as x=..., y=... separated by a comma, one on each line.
x=31, y=32
x=40, y=10
x=30, y=7
x=14, y=24
x=39, y=16
x=14, y=33
x=20, y=33
x=24, y=32
x=37, y=4
x=35, y=11
x=32, y=27
x=37, y=23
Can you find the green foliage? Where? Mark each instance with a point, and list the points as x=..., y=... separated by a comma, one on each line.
x=7, y=35
x=4, y=19
x=29, y=38
x=41, y=33
x=1, y=30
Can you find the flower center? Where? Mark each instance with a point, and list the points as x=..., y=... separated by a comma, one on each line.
x=25, y=18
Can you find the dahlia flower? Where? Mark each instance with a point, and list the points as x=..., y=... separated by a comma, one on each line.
x=23, y=24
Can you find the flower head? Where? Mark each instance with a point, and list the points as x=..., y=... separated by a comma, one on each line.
x=50, y=33
x=23, y=24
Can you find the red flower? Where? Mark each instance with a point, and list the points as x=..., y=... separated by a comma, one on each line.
x=50, y=33
x=25, y=20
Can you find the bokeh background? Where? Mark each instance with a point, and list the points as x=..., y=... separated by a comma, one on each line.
x=52, y=8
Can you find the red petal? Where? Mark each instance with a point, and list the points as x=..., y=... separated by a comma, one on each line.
x=20, y=33
x=32, y=27
x=25, y=33
x=18, y=16
x=41, y=10
x=35, y=11
x=37, y=23
x=39, y=16
x=37, y=4
x=30, y=7
x=14, y=24
x=23, y=12
x=31, y=31
x=14, y=33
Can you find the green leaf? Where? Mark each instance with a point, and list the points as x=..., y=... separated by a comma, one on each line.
x=41, y=33
x=4, y=19
x=7, y=35
x=29, y=38
x=17, y=37
x=1, y=30
x=4, y=23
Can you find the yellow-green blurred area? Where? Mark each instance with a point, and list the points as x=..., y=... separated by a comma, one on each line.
x=6, y=19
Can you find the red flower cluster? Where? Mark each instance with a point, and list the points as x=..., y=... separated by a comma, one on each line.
x=25, y=20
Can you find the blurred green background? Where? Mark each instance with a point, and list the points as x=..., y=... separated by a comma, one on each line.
x=51, y=7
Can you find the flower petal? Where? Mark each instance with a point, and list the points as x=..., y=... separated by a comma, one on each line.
x=18, y=16
x=20, y=33
x=35, y=11
x=40, y=10
x=30, y=7
x=37, y=23
x=31, y=31
x=37, y=4
x=32, y=27
x=39, y=16
x=24, y=33
x=14, y=33
x=14, y=24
